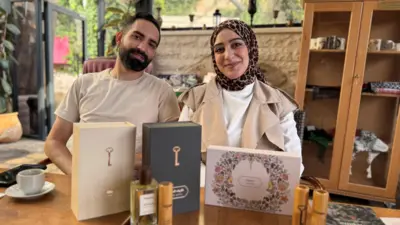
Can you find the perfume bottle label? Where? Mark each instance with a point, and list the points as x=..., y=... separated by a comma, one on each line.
x=180, y=192
x=147, y=204
x=250, y=187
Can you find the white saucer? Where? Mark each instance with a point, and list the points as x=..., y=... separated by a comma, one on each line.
x=15, y=192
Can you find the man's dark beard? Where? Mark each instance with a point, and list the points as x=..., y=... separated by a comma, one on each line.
x=130, y=62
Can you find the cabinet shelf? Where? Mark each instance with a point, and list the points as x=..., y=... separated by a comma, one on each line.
x=327, y=51
x=332, y=98
x=369, y=94
x=381, y=95
x=385, y=52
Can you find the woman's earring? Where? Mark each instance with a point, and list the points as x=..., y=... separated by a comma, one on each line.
x=116, y=49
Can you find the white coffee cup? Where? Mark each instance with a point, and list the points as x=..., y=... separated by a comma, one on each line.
x=313, y=43
x=31, y=181
x=321, y=43
x=398, y=47
x=374, y=44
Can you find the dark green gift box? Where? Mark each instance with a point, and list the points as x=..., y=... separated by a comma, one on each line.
x=173, y=151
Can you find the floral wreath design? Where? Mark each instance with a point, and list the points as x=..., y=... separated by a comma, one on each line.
x=277, y=190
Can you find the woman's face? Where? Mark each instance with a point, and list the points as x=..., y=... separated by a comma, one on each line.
x=231, y=54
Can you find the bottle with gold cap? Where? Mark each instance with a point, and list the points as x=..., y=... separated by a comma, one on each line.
x=165, y=203
x=300, y=205
x=319, y=207
x=144, y=199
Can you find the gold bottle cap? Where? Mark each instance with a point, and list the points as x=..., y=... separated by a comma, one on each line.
x=320, y=201
x=165, y=193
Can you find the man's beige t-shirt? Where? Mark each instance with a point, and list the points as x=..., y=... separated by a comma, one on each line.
x=99, y=97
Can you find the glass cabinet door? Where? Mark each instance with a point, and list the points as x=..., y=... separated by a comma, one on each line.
x=371, y=154
x=323, y=89
x=65, y=51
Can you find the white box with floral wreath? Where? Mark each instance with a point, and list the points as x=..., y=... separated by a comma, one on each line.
x=249, y=179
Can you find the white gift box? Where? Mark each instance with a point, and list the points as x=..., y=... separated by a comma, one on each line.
x=249, y=179
x=103, y=159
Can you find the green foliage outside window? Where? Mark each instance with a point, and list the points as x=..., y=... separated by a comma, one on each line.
x=116, y=12
x=67, y=27
x=176, y=7
x=293, y=9
x=8, y=30
x=259, y=17
x=263, y=15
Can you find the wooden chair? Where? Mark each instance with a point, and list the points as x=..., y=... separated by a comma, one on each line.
x=98, y=64
x=300, y=117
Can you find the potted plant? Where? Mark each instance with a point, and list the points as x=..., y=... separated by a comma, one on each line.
x=10, y=126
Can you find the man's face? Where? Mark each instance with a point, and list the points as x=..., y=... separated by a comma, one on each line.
x=138, y=45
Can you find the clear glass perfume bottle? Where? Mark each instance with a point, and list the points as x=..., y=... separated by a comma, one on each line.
x=144, y=199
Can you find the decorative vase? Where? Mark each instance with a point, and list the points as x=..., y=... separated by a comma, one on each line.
x=191, y=18
x=10, y=128
x=159, y=19
x=276, y=14
x=217, y=17
x=252, y=9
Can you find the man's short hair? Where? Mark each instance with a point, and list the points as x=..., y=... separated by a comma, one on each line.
x=143, y=16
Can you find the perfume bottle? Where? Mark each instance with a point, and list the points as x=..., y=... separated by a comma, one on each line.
x=300, y=206
x=319, y=207
x=144, y=199
x=165, y=203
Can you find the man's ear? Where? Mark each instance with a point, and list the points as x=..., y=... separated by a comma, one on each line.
x=118, y=37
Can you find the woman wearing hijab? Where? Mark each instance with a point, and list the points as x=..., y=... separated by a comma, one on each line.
x=238, y=108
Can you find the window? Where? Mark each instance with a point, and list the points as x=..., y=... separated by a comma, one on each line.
x=175, y=13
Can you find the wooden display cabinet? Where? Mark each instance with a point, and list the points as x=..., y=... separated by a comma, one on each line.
x=346, y=109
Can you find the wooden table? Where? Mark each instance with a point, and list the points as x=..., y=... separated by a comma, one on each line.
x=54, y=208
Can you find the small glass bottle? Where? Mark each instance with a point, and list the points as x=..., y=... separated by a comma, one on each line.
x=144, y=199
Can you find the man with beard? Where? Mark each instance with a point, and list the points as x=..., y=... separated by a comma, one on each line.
x=124, y=93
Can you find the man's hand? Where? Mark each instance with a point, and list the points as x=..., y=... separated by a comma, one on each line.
x=55, y=145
